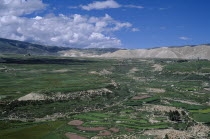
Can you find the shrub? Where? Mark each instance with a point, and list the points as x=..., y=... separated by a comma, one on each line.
x=174, y=116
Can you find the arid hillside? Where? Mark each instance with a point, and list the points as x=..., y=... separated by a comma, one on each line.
x=184, y=52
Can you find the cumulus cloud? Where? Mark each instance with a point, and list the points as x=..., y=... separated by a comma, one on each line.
x=20, y=7
x=99, y=5
x=184, y=38
x=71, y=31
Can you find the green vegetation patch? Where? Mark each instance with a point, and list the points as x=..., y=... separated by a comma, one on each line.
x=101, y=115
x=160, y=118
x=127, y=111
x=201, y=117
x=73, y=129
x=40, y=74
x=97, y=124
x=201, y=111
x=145, y=126
x=141, y=101
x=141, y=121
x=87, y=117
x=188, y=66
x=186, y=106
x=35, y=131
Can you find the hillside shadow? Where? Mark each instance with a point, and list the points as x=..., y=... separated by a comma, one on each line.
x=45, y=61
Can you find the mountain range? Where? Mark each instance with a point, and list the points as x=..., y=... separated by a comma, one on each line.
x=181, y=52
x=19, y=47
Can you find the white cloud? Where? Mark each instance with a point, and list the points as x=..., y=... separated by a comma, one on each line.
x=71, y=31
x=20, y=7
x=133, y=6
x=99, y=5
x=135, y=29
x=38, y=18
x=184, y=38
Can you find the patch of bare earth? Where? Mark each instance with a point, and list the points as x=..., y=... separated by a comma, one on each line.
x=60, y=71
x=125, y=136
x=105, y=72
x=140, y=97
x=161, y=108
x=66, y=96
x=93, y=72
x=184, y=101
x=208, y=103
x=74, y=136
x=155, y=90
x=171, y=133
x=157, y=67
x=207, y=89
x=102, y=72
x=187, y=73
x=133, y=70
x=105, y=133
x=32, y=96
x=52, y=117
x=91, y=128
x=113, y=83
x=35, y=71
x=114, y=130
x=198, y=132
x=76, y=122
x=129, y=129
x=151, y=120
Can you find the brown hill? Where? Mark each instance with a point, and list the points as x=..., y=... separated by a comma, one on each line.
x=184, y=52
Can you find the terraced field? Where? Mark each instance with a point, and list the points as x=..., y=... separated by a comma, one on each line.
x=57, y=97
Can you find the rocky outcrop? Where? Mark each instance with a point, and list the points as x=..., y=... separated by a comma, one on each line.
x=65, y=96
x=198, y=132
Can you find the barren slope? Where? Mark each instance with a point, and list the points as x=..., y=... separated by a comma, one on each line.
x=186, y=52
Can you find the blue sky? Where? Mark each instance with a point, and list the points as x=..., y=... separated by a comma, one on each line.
x=150, y=23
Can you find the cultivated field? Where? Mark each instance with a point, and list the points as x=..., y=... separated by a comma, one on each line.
x=58, y=97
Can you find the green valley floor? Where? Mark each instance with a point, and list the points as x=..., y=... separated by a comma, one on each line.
x=45, y=97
